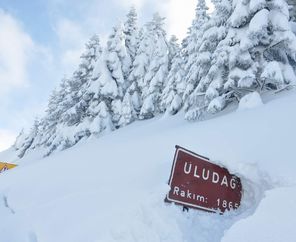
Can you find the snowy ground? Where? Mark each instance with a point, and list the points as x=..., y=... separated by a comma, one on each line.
x=112, y=188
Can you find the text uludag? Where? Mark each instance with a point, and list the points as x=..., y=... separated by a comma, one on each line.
x=208, y=175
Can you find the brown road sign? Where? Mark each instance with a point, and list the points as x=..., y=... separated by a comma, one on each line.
x=198, y=183
x=6, y=166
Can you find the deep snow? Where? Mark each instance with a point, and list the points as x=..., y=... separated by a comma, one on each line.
x=112, y=188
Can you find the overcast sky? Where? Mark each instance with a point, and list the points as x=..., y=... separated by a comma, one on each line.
x=41, y=41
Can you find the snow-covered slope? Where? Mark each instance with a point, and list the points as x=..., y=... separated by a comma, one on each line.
x=112, y=188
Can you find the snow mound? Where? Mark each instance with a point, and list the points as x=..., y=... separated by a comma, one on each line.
x=249, y=101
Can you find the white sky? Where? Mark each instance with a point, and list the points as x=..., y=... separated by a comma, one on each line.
x=41, y=41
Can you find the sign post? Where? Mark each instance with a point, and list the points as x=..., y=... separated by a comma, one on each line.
x=198, y=183
x=6, y=166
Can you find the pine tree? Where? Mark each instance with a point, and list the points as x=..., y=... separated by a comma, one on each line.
x=139, y=69
x=28, y=140
x=173, y=92
x=118, y=60
x=119, y=64
x=59, y=103
x=19, y=140
x=171, y=98
x=128, y=111
x=103, y=90
x=67, y=106
x=194, y=41
x=214, y=31
x=205, y=34
x=157, y=69
x=79, y=81
x=103, y=120
x=131, y=33
x=75, y=101
x=135, y=94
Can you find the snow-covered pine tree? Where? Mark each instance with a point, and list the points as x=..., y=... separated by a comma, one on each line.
x=102, y=122
x=172, y=94
x=128, y=112
x=131, y=33
x=92, y=93
x=131, y=100
x=139, y=69
x=158, y=68
x=135, y=93
x=171, y=98
x=193, y=43
x=258, y=53
x=119, y=64
x=212, y=31
x=55, y=107
x=20, y=139
x=117, y=58
x=100, y=91
x=25, y=142
x=79, y=81
x=70, y=128
x=59, y=102
x=93, y=51
x=98, y=115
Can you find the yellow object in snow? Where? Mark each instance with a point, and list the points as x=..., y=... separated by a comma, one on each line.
x=6, y=166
